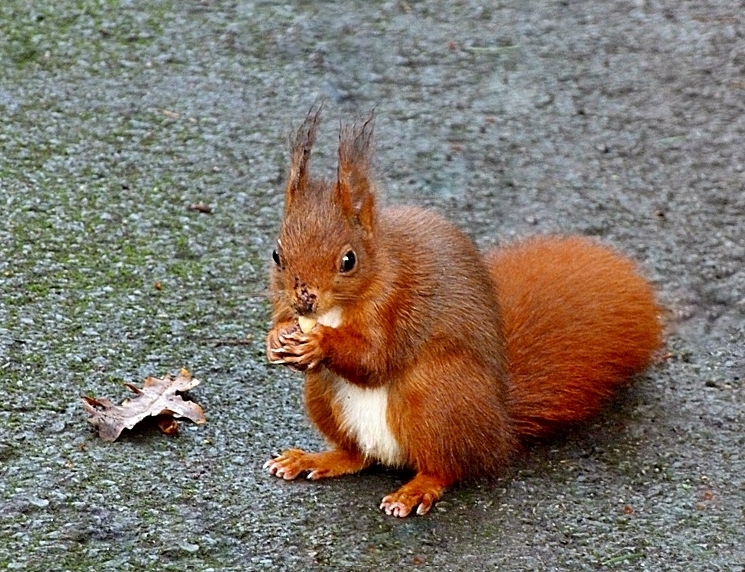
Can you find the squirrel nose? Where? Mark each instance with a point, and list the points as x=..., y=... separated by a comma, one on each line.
x=305, y=302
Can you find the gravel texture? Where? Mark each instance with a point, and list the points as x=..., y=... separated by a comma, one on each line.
x=622, y=120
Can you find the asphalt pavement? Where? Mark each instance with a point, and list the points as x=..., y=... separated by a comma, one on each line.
x=623, y=120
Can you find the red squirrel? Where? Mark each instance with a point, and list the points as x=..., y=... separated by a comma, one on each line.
x=418, y=351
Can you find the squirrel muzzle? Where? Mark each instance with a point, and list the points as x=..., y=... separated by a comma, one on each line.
x=305, y=300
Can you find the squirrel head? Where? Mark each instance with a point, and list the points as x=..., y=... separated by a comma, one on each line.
x=325, y=253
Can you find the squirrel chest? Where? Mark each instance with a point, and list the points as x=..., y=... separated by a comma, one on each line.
x=363, y=411
x=363, y=414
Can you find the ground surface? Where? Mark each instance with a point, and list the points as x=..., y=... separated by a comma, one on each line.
x=621, y=120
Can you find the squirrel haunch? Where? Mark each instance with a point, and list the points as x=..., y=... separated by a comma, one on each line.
x=426, y=354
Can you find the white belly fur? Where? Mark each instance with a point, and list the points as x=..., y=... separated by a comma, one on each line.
x=332, y=318
x=364, y=411
x=364, y=418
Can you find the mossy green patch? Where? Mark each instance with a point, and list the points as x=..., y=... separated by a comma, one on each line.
x=69, y=33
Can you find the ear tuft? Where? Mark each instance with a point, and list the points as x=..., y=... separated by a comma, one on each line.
x=354, y=188
x=300, y=150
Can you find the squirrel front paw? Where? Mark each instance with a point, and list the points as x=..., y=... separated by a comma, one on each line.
x=273, y=341
x=294, y=348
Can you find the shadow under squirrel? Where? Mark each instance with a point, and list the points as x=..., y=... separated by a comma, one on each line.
x=419, y=351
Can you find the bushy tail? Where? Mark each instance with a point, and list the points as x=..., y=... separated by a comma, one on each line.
x=579, y=321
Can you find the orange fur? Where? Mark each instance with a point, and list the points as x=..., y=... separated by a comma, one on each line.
x=579, y=321
x=443, y=359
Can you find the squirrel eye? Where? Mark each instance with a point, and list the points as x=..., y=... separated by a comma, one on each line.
x=348, y=261
x=275, y=257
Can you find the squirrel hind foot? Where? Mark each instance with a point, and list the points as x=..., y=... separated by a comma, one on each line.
x=421, y=492
x=323, y=465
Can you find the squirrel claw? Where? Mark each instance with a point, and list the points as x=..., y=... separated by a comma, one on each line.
x=294, y=337
x=401, y=508
x=276, y=360
x=283, y=467
x=392, y=508
x=421, y=492
x=333, y=463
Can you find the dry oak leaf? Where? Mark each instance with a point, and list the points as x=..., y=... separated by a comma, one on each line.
x=158, y=397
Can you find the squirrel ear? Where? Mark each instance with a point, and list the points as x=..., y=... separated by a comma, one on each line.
x=354, y=190
x=300, y=148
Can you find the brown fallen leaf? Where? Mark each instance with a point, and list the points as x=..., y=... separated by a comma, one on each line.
x=167, y=424
x=158, y=397
x=200, y=207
